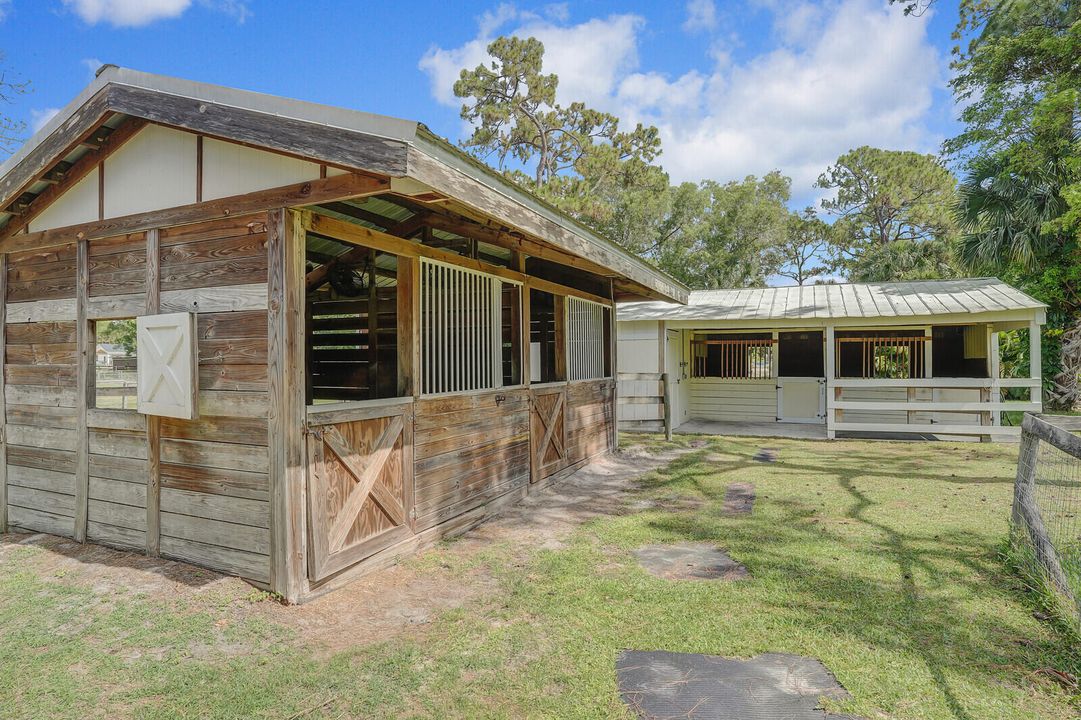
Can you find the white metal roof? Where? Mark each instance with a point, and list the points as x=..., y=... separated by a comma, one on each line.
x=834, y=302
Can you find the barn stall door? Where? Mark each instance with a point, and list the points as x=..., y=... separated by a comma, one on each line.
x=359, y=490
x=548, y=432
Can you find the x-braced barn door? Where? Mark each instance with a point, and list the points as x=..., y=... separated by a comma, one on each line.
x=547, y=432
x=359, y=491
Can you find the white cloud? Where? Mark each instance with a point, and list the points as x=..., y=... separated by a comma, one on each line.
x=833, y=79
x=701, y=15
x=127, y=13
x=589, y=58
x=137, y=13
x=38, y=118
x=5, y=9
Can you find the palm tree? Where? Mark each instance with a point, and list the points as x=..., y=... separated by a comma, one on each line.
x=1003, y=214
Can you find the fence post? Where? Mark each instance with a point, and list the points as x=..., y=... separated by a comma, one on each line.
x=1026, y=475
x=1026, y=513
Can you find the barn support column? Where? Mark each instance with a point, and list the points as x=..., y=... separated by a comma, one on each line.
x=1035, y=360
x=285, y=343
x=832, y=393
x=153, y=422
x=995, y=371
x=84, y=356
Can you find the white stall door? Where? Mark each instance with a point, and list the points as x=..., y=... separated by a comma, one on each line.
x=801, y=400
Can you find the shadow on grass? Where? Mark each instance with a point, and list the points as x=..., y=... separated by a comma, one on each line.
x=890, y=610
x=89, y=553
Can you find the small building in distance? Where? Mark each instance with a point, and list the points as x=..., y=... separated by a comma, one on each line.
x=909, y=358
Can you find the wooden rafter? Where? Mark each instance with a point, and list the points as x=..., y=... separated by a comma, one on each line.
x=106, y=144
x=318, y=277
x=438, y=217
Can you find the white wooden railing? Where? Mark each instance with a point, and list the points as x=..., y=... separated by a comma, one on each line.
x=925, y=413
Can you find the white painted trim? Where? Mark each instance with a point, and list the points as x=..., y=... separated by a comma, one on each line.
x=930, y=429
x=935, y=406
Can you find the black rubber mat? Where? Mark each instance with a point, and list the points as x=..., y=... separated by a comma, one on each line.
x=689, y=561
x=772, y=686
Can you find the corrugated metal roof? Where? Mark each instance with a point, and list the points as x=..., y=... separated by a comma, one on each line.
x=855, y=300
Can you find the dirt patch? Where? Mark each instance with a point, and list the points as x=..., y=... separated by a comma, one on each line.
x=771, y=686
x=689, y=561
x=400, y=599
x=738, y=499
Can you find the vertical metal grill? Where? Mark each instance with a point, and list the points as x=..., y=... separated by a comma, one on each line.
x=461, y=344
x=585, y=339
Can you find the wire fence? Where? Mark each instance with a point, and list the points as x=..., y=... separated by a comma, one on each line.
x=1047, y=505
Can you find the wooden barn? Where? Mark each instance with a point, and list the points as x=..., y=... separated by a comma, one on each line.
x=919, y=359
x=351, y=338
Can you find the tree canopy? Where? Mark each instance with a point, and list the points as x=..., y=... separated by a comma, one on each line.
x=894, y=214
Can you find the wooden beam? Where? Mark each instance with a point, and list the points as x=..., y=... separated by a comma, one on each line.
x=307, y=193
x=84, y=355
x=497, y=199
x=315, y=141
x=59, y=144
x=368, y=237
x=81, y=168
x=153, y=422
x=285, y=341
x=441, y=218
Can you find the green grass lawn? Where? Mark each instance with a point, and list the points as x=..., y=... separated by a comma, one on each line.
x=880, y=559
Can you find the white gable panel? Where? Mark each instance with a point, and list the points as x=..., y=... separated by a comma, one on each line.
x=168, y=361
x=152, y=171
x=77, y=205
x=231, y=169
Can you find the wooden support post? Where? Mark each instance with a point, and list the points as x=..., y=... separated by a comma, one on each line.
x=1026, y=476
x=408, y=335
x=559, y=325
x=527, y=337
x=3, y=403
x=153, y=422
x=84, y=356
x=612, y=350
x=994, y=364
x=285, y=345
x=1035, y=360
x=666, y=389
x=832, y=393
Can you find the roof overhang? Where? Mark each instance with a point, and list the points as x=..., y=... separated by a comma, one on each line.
x=340, y=137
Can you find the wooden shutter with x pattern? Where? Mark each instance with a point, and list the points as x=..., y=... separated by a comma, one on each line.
x=167, y=366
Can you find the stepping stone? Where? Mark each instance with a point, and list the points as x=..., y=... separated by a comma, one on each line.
x=771, y=686
x=689, y=561
x=738, y=499
x=765, y=455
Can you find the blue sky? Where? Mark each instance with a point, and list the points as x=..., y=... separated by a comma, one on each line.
x=736, y=88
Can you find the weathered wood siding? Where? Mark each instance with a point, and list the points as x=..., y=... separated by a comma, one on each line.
x=214, y=507
x=468, y=450
x=214, y=483
x=589, y=417
x=40, y=390
x=116, y=506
